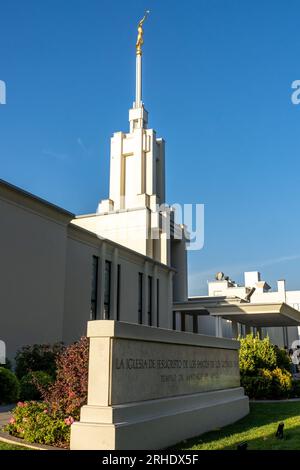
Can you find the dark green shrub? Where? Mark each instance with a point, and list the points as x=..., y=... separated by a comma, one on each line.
x=296, y=388
x=9, y=386
x=275, y=384
x=256, y=386
x=283, y=360
x=38, y=357
x=32, y=383
x=7, y=365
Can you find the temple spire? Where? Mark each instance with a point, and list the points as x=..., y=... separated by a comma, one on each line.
x=139, y=43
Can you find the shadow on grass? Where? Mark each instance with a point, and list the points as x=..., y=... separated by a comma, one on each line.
x=258, y=429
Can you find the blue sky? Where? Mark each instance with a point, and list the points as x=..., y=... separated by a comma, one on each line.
x=217, y=85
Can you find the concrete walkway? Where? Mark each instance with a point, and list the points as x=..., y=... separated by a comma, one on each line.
x=5, y=415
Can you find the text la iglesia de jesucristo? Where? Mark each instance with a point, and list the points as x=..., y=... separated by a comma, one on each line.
x=139, y=363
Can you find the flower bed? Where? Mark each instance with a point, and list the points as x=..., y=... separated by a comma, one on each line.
x=34, y=422
x=49, y=421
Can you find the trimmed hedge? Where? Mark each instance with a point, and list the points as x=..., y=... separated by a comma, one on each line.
x=31, y=384
x=38, y=357
x=9, y=386
x=275, y=384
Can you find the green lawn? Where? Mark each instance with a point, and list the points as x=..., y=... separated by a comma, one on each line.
x=258, y=429
x=4, y=446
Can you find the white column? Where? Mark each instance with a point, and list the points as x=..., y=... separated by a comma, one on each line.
x=235, y=330
x=114, y=285
x=248, y=330
x=285, y=336
x=165, y=241
x=219, y=332
x=259, y=331
x=138, y=90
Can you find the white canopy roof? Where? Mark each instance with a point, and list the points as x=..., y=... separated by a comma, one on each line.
x=252, y=314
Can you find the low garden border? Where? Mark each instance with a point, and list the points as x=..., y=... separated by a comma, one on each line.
x=4, y=437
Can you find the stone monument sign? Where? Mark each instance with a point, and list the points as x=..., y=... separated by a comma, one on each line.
x=150, y=388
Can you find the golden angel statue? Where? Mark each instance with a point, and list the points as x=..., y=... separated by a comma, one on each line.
x=140, y=40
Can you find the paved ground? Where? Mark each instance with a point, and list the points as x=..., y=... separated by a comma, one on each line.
x=5, y=415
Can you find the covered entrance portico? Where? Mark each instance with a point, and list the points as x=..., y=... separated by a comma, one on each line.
x=233, y=315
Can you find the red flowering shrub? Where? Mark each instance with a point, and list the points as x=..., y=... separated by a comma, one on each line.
x=69, y=391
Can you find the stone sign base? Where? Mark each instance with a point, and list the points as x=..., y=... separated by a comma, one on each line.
x=151, y=388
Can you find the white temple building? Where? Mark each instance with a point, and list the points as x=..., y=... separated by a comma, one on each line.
x=126, y=262
x=136, y=215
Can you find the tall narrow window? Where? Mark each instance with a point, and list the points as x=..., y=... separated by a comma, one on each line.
x=140, y=299
x=195, y=324
x=107, y=285
x=118, y=291
x=149, y=301
x=183, y=321
x=174, y=321
x=94, y=288
x=157, y=302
